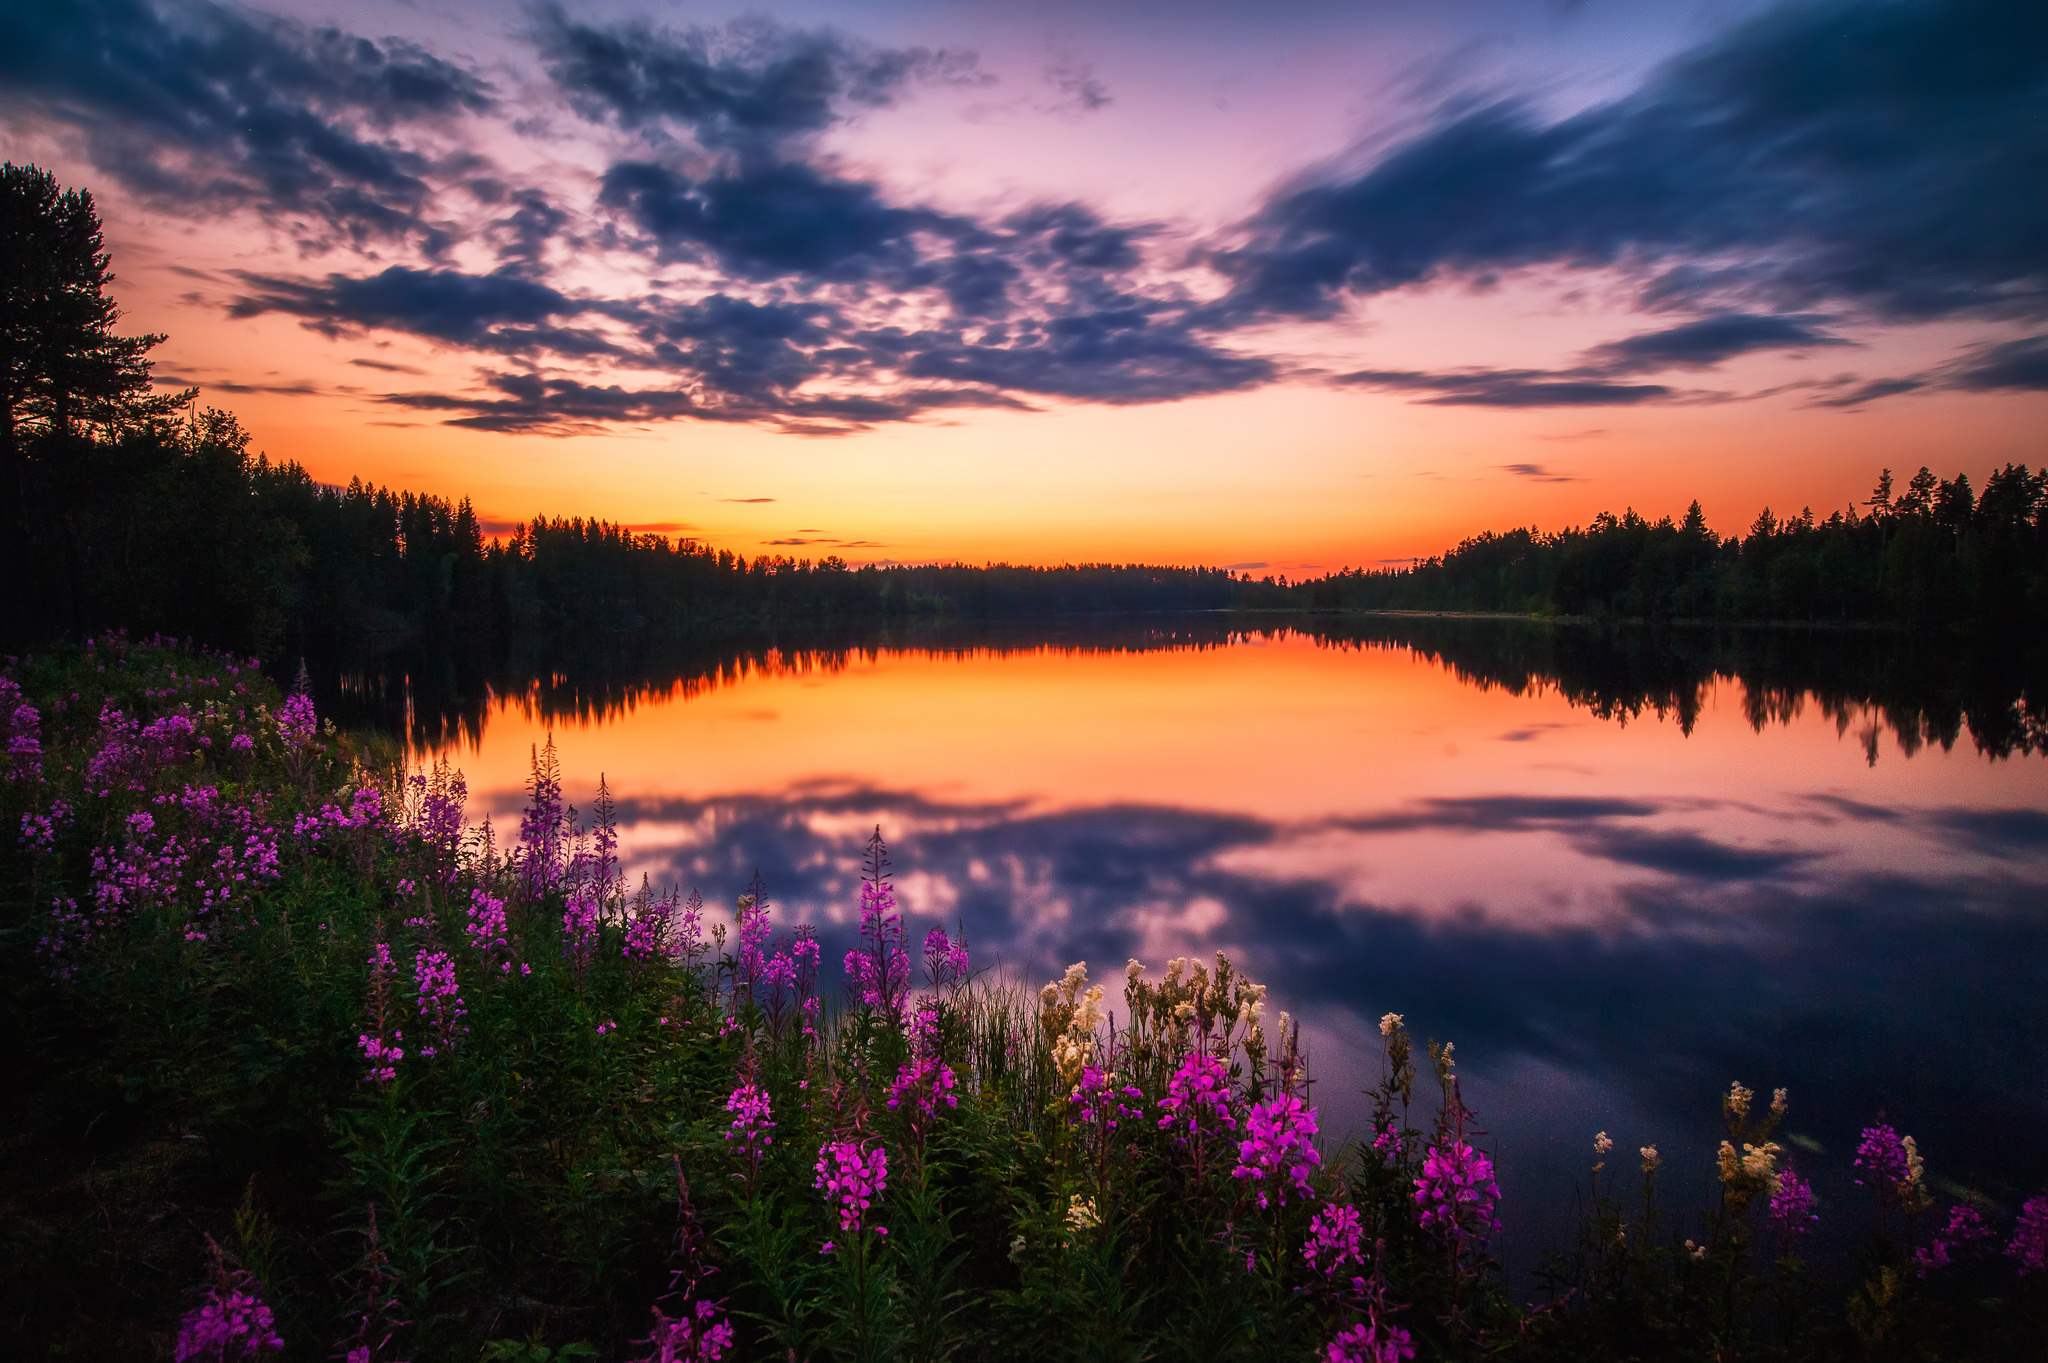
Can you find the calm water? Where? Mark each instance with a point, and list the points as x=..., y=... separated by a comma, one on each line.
x=1618, y=871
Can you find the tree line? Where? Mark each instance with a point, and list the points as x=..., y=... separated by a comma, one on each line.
x=123, y=507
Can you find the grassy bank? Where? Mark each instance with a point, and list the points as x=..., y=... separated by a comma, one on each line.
x=307, y=1066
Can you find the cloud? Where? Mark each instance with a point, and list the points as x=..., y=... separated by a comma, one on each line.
x=2014, y=366
x=748, y=84
x=206, y=108
x=1508, y=388
x=499, y=312
x=1868, y=155
x=1536, y=473
x=1081, y=91
x=1707, y=341
x=747, y=500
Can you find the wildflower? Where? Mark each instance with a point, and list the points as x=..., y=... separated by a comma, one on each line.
x=921, y=1085
x=233, y=1323
x=296, y=722
x=1601, y=1144
x=1335, y=1239
x=1279, y=1147
x=1652, y=1161
x=487, y=929
x=579, y=925
x=1389, y=1024
x=879, y=971
x=691, y=1337
x=852, y=1177
x=1375, y=1341
x=1965, y=1233
x=1457, y=1192
x=381, y=1051
x=1081, y=1214
x=1791, y=1207
x=2030, y=1238
x=1893, y=1166
x=440, y=997
x=1736, y=1105
x=752, y=1120
x=1197, y=1099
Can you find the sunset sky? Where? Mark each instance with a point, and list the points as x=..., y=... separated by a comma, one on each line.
x=1289, y=285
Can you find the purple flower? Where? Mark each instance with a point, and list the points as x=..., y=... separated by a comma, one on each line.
x=1457, y=1192
x=486, y=929
x=1791, y=1207
x=1197, y=1101
x=1279, y=1147
x=296, y=722
x=1375, y=1341
x=852, y=1177
x=1335, y=1240
x=696, y=1336
x=752, y=1120
x=1966, y=1233
x=921, y=1085
x=433, y=974
x=880, y=970
x=579, y=925
x=1882, y=1157
x=2030, y=1238
x=231, y=1324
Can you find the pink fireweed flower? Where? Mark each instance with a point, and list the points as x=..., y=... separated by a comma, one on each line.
x=380, y=1050
x=696, y=1336
x=1279, y=1148
x=852, y=1178
x=752, y=1120
x=1197, y=1101
x=296, y=722
x=2029, y=1247
x=1791, y=1207
x=486, y=929
x=580, y=925
x=433, y=974
x=1457, y=1192
x=945, y=960
x=1966, y=1234
x=235, y=1326
x=879, y=971
x=1336, y=1239
x=921, y=1086
x=1376, y=1341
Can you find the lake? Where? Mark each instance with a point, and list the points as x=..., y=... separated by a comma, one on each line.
x=1619, y=869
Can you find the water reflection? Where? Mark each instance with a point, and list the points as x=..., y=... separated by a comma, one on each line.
x=1619, y=869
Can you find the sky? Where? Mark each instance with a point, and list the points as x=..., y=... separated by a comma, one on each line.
x=1287, y=286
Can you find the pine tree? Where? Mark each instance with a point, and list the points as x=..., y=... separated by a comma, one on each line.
x=64, y=374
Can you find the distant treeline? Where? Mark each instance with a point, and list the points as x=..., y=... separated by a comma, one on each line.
x=176, y=527
x=1936, y=554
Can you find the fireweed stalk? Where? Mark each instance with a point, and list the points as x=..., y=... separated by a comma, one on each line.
x=1069, y=1151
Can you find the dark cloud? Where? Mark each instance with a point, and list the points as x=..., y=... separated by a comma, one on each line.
x=1080, y=90
x=502, y=312
x=2015, y=366
x=1537, y=473
x=1886, y=156
x=767, y=221
x=747, y=84
x=749, y=501
x=209, y=108
x=533, y=404
x=1860, y=393
x=1508, y=388
x=1707, y=341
